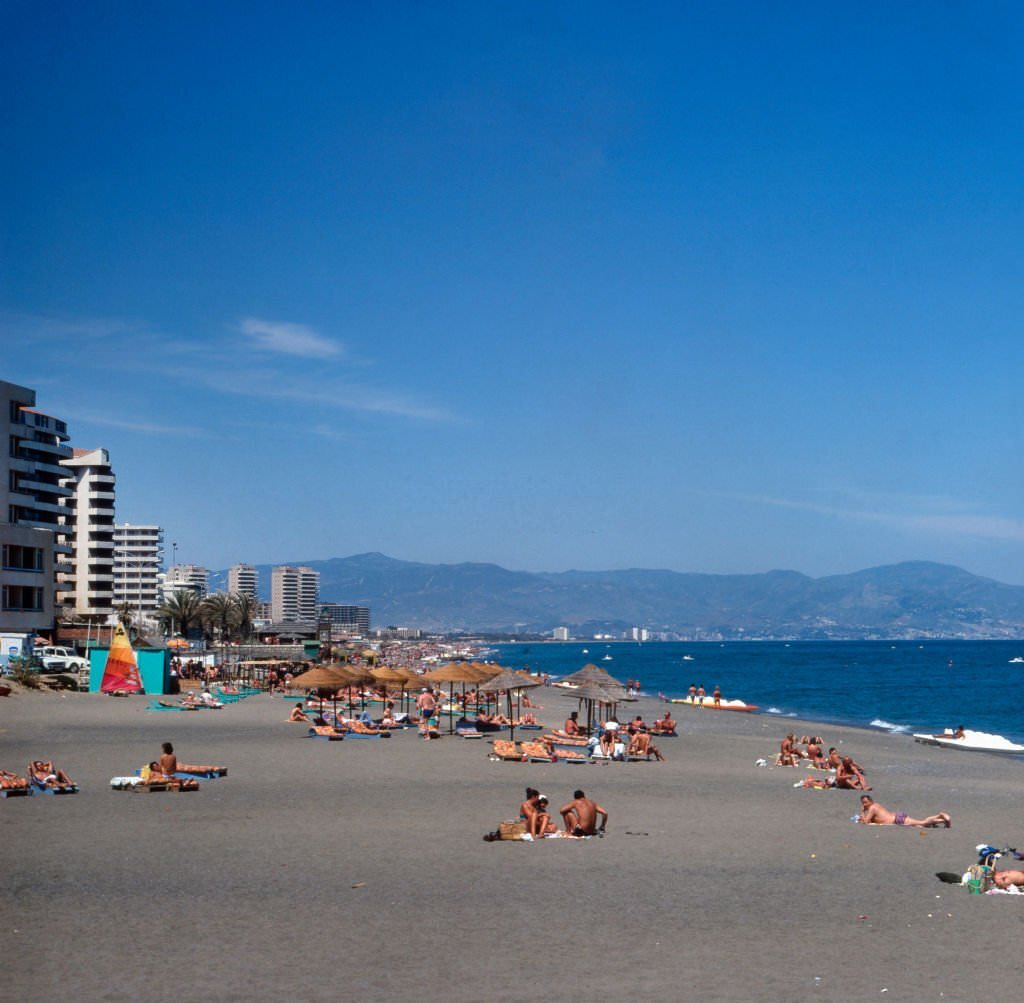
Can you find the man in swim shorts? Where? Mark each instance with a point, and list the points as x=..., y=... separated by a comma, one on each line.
x=872, y=812
x=580, y=816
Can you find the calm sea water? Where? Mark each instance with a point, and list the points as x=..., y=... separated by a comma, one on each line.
x=903, y=686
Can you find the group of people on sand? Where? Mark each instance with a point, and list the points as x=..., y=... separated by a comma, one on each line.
x=579, y=816
x=847, y=775
x=617, y=742
x=41, y=773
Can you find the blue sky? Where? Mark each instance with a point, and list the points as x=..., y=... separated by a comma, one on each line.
x=723, y=288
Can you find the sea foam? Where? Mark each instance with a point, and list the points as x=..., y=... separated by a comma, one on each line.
x=896, y=729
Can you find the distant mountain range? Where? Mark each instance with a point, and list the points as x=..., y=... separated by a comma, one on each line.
x=916, y=600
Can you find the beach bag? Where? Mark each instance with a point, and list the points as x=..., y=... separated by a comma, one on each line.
x=981, y=874
x=512, y=830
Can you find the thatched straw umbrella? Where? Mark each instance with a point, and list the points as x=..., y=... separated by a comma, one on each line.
x=452, y=673
x=592, y=694
x=591, y=673
x=385, y=675
x=321, y=677
x=508, y=681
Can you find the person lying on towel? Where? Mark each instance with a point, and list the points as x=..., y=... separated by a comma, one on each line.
x=872, y=811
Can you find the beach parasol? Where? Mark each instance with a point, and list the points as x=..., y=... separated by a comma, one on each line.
x=591, y=673
x=321, y=677
x=508, y=681
x=592, y=694
x=385, y=675
x=452, y=673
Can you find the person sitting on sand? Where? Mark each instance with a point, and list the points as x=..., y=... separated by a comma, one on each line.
x=833, y=759
x=872, y=812
x=580, y=816
x=572, y=724
x=607, y=742
x=850, y=776
x=168, y=760
x=529, y=807
x=641, y=745
x=814, y=753
x=543, y=824
x=298, y=714
x=1004, y=879
x=665, y=725
x=46, y=775
x=789, y=754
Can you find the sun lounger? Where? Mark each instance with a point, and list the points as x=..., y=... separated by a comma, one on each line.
x=10, y=791
x=42, y=788
x=536, y=752
x=187, y=771
x=571, y=756
x=140, y=786
x=506, y=751
x=467, y=728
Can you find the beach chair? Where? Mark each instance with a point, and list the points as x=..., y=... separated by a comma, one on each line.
x=42, y=788
x=536, y=752
x=506, y=751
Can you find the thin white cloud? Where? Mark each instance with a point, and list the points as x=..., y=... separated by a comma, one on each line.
x=962, y=524
x=135, y=426
x=290, y=339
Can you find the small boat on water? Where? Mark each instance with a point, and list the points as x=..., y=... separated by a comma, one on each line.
x=1016, y=661
x=708, y=703
x=973, y=741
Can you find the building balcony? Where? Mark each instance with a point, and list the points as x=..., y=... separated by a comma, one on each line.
x=57, y=449
x=38, y=487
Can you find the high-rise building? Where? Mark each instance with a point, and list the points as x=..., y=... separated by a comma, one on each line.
x=560, y=633
x=243, y=578
x=186, y=577
x=89, y=529
x=138, y=554
x=350, y=620
x=32, y=495
x=294, y=594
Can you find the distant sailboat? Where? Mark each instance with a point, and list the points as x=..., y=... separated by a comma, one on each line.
x=121, y=673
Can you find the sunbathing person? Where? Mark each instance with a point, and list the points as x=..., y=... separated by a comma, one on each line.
x=1004, y=879
x=641, y=745
x=529, y=807
x=168, y=760
x=572, y=724
x=833, y=759
x=958, y=734
x=814, y=753
x=542, y=821
x=580, y=816
x=664, y=725
x=528, y=718
x=850, y=776
x=11, y=781
x=46, y=775
x=872, y=812
x=789, y=754
x=298, y=714
x=607, y=742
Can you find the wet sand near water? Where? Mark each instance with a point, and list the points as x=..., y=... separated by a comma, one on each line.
x=318, y=870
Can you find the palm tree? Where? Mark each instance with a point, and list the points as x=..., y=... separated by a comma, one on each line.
x=219, y=614
x=181, y=610
x=245, y=609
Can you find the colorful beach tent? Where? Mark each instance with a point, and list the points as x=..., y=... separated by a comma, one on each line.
x=121, y=673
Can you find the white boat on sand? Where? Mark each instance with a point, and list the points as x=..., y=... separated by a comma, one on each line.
x=972, y=741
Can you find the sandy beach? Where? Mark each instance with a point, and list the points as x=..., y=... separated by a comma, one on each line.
x=357, y=869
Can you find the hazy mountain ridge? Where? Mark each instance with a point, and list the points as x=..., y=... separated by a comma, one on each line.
x=914, y=599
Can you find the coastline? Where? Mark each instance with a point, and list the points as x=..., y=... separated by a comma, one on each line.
x=319, y=869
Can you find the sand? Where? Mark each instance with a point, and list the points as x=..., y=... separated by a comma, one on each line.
x=319, y=870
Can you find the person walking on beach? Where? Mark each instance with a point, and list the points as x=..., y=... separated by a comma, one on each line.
x=692, y=693
x=580, y=816
x=717, y=696
x=872, y=812
x=427, y=706
x=701, y=693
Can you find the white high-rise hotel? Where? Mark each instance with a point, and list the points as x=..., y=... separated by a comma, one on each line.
x=138, y=555
x=89, y=522
x=243, y=578
x=295, y=594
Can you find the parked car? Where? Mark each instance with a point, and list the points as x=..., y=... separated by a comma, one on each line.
x=56, y=659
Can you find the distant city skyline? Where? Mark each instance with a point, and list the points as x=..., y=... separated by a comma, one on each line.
x=715, y=289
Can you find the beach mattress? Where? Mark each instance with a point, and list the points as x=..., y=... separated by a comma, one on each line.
x=43, y=789
x=16, y=792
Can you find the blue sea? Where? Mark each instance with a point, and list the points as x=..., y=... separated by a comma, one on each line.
x=899, y=686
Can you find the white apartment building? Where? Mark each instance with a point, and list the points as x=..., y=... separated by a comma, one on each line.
x=138, y=555
x=243, y=578
x=32, y=493
x=294, y=594
x=89, y=529
x=560, y=633
x=186, y=577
